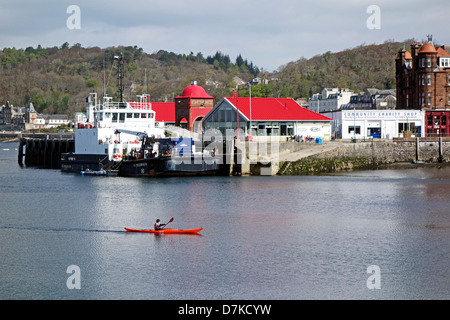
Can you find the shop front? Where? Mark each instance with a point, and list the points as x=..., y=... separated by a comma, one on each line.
x=377, y=124
x=437, y=123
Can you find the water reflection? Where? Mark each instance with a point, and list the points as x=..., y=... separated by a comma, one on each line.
x=264, y=237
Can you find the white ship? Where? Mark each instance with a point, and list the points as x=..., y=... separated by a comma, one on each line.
x=113, y=130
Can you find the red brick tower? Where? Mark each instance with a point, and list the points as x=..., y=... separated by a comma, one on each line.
x=193, y=105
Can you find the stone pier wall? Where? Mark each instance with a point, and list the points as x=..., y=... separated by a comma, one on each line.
x=370, y=155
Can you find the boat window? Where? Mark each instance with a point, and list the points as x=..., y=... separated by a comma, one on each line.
x=107, y=115
x=129, y=115
x=143, y=115
x=151, y=115
x=136, y=115
x=114, y=117
x=122, y=117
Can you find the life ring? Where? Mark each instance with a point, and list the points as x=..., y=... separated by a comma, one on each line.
x=117, y=156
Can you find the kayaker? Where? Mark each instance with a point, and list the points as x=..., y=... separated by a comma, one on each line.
x=158, y=225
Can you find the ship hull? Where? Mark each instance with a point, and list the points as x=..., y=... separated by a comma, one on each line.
x=169, y=167
x=71, y=162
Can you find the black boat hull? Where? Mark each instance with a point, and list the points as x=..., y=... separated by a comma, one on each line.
x=71, y=162
x=169, y=166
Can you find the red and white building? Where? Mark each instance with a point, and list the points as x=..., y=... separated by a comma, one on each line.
x=274, y=117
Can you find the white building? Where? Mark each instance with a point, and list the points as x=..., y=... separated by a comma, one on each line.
x=55, y=120
x=385, y=124
x=330, y=99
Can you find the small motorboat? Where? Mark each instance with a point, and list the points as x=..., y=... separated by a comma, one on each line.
x=89, y=172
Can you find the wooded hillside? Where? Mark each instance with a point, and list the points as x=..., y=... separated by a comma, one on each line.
x=58, y=79
x=366, y=66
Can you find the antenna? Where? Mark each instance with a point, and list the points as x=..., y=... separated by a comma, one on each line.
x=104, y=78
x=145, y=80
x=120, y=74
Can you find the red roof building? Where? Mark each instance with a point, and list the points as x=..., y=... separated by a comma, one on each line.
x=164, y=111
x=267, y=117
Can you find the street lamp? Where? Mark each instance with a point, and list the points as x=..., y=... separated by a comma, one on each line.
x=354, y=123
x=250, y=101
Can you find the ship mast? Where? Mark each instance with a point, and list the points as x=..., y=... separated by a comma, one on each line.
x=120, y=74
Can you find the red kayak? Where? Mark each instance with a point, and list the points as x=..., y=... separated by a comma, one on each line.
x=166, y=231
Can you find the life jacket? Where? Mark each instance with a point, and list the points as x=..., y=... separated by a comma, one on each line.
x=158, y=226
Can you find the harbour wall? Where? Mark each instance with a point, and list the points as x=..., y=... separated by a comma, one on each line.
x=44, y=150
x=371, y=155
x=239, y=158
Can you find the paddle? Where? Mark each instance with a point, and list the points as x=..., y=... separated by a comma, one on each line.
x=169, y=221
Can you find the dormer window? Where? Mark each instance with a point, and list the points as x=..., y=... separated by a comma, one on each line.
x=444, y=62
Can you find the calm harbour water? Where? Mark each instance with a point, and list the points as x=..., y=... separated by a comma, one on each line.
x=305, y=237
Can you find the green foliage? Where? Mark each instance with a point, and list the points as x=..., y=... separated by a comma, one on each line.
x=258, y=91
x=58, y=79
x=92, y=83
x=12, y=57
x=366, y=66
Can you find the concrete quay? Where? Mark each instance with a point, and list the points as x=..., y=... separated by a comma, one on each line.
x=345, y=155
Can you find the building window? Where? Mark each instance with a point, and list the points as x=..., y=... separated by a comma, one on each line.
x=429, y=62
x=429, y=98
x=444, y=62
x=357, y=129
x=407, y=100
x=422, y=62
x=437, y=120
x=429, y=79
x=408, y=126
x=449, y=98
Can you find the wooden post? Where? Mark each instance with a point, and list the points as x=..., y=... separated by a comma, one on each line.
x=20, y=156
x=417, y=149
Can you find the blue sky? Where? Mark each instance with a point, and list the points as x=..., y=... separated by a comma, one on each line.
x=269, y=33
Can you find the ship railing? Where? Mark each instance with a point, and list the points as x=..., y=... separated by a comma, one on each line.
x=113, y=105
x=124, y=105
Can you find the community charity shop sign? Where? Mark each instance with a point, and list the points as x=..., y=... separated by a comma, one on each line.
x=382, y=114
